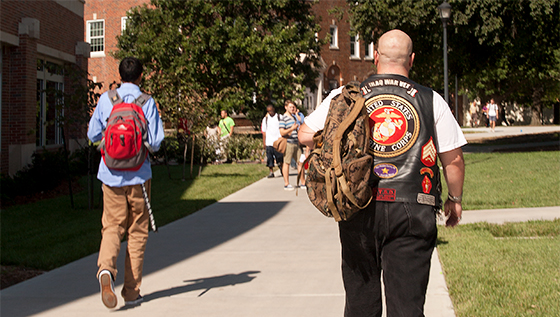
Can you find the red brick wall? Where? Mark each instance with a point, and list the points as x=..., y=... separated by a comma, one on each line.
x=20, y=82
x=59, y=29
x=106, y=69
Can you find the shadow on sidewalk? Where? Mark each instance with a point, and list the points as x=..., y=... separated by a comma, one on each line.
x=178, y=241
x=205, y=284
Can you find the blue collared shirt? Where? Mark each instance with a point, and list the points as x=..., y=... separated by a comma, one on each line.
x=98, y=122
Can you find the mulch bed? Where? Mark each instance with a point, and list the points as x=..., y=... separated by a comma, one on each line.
x=12, y=275
x=60, y=190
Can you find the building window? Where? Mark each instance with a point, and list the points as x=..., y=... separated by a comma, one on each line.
x=334, y=36
x=123, y=24
x=354, y=46
x=50, y=86
x=96, y=37
x=369, y=51
x=309, y=101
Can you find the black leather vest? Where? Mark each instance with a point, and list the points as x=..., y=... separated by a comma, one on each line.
x=402, y=140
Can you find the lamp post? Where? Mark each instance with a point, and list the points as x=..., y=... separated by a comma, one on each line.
x=445, y=13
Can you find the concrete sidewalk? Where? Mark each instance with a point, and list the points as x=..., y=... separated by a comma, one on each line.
x=473, y=134
x=262, y=251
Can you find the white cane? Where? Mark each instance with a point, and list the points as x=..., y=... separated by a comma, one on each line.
x=152, y=220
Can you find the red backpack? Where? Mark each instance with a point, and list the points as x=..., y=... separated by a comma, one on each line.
x=124, y=146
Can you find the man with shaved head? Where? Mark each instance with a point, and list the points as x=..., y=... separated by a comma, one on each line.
x=394, y=237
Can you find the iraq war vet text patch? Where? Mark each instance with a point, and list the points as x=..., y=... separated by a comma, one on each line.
x=394, y=125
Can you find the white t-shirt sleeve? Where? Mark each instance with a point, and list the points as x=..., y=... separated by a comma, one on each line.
x=316, y=120
x=448, y=132
x=263, y=125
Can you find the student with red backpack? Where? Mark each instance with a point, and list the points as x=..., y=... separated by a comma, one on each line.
x=127, y=123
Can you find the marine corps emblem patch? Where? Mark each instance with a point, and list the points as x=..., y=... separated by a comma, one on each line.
x=394, y=125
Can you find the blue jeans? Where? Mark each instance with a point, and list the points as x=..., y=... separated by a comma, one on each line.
x=393, y=239
x=272, y=154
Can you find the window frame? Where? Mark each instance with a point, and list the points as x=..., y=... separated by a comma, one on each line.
x=355, y=44
x=369, y=51
x=334, y=37
x=123, y=23
x=49, y=134
x=89, y=38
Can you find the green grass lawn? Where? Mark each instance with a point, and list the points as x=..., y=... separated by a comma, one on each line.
x=47, y=234
x=502, y=270
x=510, y=269
x=511, y=180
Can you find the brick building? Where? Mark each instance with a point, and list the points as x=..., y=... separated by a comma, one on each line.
x=37, y=40
x=345, y=59
x=103, y=22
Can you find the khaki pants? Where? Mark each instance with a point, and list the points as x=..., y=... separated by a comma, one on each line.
x=124, y=211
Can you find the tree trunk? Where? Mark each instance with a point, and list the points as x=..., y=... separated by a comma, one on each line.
x=192, y=155
x=536, y=107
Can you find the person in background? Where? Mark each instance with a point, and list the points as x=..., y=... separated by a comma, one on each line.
x=300, y=118
x=289, y=129
x=270, y=129
x=493, y=114
x=485, y=113
x=474, y=114
x=226, y=125
x=212, y=134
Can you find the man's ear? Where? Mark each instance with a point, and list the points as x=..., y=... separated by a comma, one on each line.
x=138, y=80
x=411, y=60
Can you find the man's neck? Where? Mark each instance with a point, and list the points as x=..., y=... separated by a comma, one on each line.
x=129, y=83
x=393, y=71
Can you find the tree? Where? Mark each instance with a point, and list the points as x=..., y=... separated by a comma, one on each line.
x=515, y=50
x=74, y=107
x=508, y=50
x=418, y=18
x=201, y=56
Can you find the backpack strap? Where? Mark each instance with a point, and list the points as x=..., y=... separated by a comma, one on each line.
x=359, y=103
x=225, y=126
x=114, y=97
x=142, y=99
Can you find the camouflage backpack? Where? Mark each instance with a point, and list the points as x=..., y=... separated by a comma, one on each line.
x=340, y=166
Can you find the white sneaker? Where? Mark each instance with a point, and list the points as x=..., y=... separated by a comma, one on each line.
x=108, y=296
x=288, y=187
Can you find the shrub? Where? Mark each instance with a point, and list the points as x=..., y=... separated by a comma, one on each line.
x=244, y=147
x=47, y=171
x=235, y=148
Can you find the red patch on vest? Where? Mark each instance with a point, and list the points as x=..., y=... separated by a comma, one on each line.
x=429, y=153
x=385, y=194
x=426, y=185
